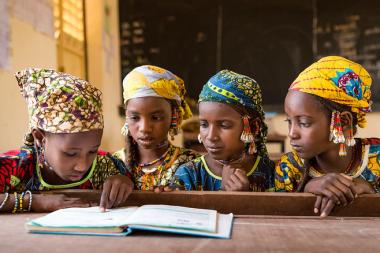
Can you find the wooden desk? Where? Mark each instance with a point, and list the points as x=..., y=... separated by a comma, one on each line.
x=244, y=203
x=250, y=234
x=298, y=231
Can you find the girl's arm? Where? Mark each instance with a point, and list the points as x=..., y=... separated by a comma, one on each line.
x=42, y=202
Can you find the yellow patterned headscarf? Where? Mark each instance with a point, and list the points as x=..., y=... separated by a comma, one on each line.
x=152, y=81
x=59, y=102
x=339, y=80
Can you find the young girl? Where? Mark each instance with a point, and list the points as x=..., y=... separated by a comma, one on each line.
x=154, y=106
x=324, y=106
x=233, y=131
x=61, y=149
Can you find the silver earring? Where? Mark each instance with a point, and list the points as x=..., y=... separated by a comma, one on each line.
x=125, y=129
x=199, y=138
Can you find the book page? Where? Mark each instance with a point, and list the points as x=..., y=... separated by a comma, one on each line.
x=224, y=227
x=175, y=217
x=90, y=217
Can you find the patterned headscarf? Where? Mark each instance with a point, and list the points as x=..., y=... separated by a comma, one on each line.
x=339, y=80
x=59, y=102
x=152, y=81
x=232, y=88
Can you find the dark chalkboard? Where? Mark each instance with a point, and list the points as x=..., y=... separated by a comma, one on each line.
x=351, y=29
x=270, y=41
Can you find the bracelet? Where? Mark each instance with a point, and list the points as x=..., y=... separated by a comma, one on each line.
x=30, y=200
x=21, y=200
x=16, y=203
x=4, y=201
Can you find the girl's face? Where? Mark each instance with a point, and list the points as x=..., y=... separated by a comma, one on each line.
x=220, y=129
x=309, y=127
x=71, y=155
x=148, y=121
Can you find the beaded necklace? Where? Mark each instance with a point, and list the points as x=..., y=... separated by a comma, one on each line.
x=355, y=153
x=154, y=176
x=153, y=169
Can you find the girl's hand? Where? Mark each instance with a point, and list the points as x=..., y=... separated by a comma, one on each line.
x=234, y=179
x=362, y=186
x=167, y=188
x=45, y=202
x=323, y=205
x=337, y=187
x=116, y=190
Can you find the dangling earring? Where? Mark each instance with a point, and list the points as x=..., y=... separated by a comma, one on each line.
x=336, y=133
x=125, y=129
x=350, y=140
x=199, y=138
x=247, y=136
x=173, y=130
x=41, y=157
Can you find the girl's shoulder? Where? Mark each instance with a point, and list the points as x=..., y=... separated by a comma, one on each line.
x=20, y=158
x=120, y=154
x=16, y=166
x=24, y=152
x=190, y=154
x=267, y=163
x=373, y=143
x=182, y=155
x=195, y=164
x=289, y=162
x=106, y=160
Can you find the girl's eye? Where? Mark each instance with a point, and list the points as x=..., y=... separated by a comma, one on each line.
x=93, y=152
x=157, y=117
x=304, y=124
x=225, y=125
x=133, y=118
x=203, y=124
x=69, y=154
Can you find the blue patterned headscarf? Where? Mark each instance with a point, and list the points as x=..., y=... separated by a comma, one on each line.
x=232, y=88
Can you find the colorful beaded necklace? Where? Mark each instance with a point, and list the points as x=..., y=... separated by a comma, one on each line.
x=150, y=170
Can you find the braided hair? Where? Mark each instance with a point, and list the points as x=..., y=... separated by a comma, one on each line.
x=261, y=137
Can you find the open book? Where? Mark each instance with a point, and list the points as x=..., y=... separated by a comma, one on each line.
x=122, y=221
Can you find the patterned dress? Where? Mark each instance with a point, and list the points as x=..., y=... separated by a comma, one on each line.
x=164, y=172
x=196, y=175
x=18, y=172
x=290, y=168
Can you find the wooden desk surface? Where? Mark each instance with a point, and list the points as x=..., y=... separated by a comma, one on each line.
x=250, y=234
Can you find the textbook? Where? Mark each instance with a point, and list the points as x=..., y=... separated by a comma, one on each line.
x=122, y=221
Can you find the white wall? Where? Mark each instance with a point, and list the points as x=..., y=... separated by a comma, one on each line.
x=29, y=48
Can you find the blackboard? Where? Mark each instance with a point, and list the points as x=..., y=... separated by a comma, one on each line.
x=270, y=41
x=351, y=29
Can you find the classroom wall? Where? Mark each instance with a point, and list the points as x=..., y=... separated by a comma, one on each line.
x=31, y=48
x=103, y=65
x=28, y=48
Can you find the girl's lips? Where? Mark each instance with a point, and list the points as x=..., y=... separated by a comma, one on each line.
x=214, y=149
x=76, y=177
x=297, y=148
x=145, y=141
